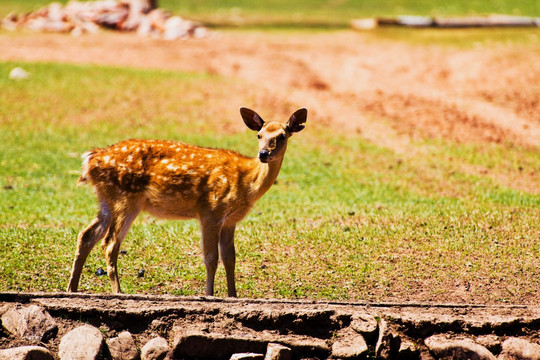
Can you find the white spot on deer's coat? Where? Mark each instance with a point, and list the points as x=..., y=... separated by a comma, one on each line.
x=172, y=167
x=124, y=148
x=165, y=161
x=106, y=159
x=129, y=158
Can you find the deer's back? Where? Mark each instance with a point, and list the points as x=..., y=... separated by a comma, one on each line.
x=170, y=179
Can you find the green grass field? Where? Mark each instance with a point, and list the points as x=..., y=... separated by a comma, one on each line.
x=312, y=12
x=346, y=220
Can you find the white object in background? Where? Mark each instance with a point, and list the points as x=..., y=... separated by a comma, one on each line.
x=19, y=74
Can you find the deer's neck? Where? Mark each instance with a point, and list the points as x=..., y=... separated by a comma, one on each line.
x=262, y=176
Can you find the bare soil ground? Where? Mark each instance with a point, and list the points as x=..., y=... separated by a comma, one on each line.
x=484, y=94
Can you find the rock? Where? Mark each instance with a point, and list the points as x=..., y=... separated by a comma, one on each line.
x=30, y=323
x=198, y=344
x=407, y=351
x=364, y=24
x=82, y=343
x=247, y=356
x=515, y=348
x=4, y=308
x=55, y=12
x=18, y=74
x=79, y=17
x=277, y=352
x=123, y=347
x=490, y=342
x=388, y=343
x=156, y=349
x=349, y=345
x=26, y=353
x=366, y=325
x=177, y=28
x=456, y=349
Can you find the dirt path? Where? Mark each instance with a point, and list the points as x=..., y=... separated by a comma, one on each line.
x=347, y=78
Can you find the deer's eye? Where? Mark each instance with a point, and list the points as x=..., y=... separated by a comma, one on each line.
x=259, y=136
x=281, y=137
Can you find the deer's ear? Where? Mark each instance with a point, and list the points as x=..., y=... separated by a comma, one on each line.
x=296, y=120
x=251, y=119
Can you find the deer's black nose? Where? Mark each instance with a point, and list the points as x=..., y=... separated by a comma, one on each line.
x=263, y=155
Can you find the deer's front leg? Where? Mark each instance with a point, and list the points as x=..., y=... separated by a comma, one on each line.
x=210, y=240
x=228, y=256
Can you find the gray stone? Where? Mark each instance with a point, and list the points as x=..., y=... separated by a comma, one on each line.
x=4, y=308
x=123, y=347
x=156, y=349
x=515, y=348
x=366, y=325
x=247, y=356
x=388, y=343
x=349, y=345
x=456, y=349
x=278, y=352
x=30, y=323
x=82, y=343
x=26, y=353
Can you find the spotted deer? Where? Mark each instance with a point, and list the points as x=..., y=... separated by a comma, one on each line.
x=179, y=181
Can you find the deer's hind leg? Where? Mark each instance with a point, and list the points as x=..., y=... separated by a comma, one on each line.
x=87, y=239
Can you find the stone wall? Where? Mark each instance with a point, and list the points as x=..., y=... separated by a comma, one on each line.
x=84, y=326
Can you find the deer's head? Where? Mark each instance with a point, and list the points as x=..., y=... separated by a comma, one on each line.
x=273, y=135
